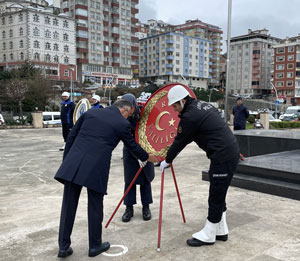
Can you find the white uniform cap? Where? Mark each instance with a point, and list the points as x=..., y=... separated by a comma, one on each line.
x=96, y=97
x=65, y=94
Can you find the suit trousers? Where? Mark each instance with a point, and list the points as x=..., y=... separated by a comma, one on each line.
x=68, y=211
x=146, y=194
x=220, y=175
x=66, y=128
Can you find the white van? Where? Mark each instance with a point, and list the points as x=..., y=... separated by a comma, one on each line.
x=51, y=117
x=290, y=111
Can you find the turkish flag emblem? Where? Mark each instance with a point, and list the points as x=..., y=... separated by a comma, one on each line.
x=157, y=128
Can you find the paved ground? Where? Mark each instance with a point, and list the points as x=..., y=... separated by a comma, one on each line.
x=262, y=227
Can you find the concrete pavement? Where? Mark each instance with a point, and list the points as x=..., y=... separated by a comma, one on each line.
x=262, y=227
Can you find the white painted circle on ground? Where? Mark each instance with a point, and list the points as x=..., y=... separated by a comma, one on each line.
x=124, y=251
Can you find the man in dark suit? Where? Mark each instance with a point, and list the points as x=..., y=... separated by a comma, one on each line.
x=86, y=163
x=131, y=166
x=241, y=115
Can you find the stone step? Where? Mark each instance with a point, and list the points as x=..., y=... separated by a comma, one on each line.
x=264, y=185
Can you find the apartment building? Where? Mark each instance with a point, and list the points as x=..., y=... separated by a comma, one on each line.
x=212, y=33
x=32, y=30
x=251, y=63
x=107, y=48
x=286, y=76
x=174, y=57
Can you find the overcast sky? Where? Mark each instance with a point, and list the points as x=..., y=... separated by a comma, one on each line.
x=280, y=17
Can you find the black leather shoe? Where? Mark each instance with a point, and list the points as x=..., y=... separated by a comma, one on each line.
x=96, y=251
x=222, y=238
x=193, y=242
x=65, y=253
x=146, y=213
x=128, y=214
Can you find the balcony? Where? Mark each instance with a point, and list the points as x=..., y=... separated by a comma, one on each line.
x=105, y=42
x=115, y=64
x=134, y=49
x=82, y=50
x=256, y=56
x=135, y=1
x=169, y=41
x=115, y=15
x=82, y=60
x=169, y=65
x=255, y=72
x=115, y=4
x=105, y=2
x=105, y=33
x=134, y=20
x=256, y=64
x=170, y=57
x=169, y=73
x=106, y=53
x=115, y=54
x=134, y=10
x=105, y=23
x=115, y=44
x=115, y=35
x=105, y=12
x=134, y=57
x=134, y=29
x=134, y=39
x=170, y=49
x=106, y=63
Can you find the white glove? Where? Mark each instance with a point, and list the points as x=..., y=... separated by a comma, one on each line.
x=163, y=165
x=142, y=163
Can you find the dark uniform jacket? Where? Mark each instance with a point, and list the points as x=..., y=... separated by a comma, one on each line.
x=200, y=122
x=97, y=106
x=131, y=165
x=241, y=114
x=67, y=111
x=89, y=147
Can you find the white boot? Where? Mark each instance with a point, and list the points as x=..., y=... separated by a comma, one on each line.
x=222, y=229
x=63, y=147
x=206, y=236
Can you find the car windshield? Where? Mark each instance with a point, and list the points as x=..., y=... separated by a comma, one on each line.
x=291, y=111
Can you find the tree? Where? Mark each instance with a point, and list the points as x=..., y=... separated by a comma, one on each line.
x=15, y=90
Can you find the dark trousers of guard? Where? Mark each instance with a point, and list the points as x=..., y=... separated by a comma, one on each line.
x=66, y=128
x=146, y=194
x=220, y=175
x=68, y=212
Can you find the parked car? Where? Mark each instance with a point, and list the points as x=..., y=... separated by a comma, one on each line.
x=290, y=111
x=2, y=121
x=293, y=117
x=51, y=117
x=272, y=119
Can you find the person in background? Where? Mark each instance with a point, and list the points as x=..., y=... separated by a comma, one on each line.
x=201, y=123
x=86, y=163
x=96, y=102
x=66, y=115
x=241, y=115
x=131, y=166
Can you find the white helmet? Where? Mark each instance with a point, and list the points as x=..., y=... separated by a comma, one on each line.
x=96, y=97
x=65, y=94
x=176, y=93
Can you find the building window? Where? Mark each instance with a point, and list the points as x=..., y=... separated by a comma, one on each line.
x=280, y=50
x=55, y=47
x=55, y=35
x=280, y=58
x=290, y=66
x=3, y=34
x=55, y=21
x=66, y=24
x=47, y=34
x=4, y=57
x=11, y=33
x=290, y=75
x=66, y=37
x=22, y=56
x=66, y=59
x=47, y=20
x=20, y=17
x=3, y=20
x=11, y=45
x=37, y=56
x=279, y=84
x=10, y=19
x=279, y=75
x=47, y=58
x=3, y=46
x=56, y=59
x=21, y=44
x=66, y=73
x=66, y=48
x=36, y=44
x=47, y=46
x=36, y=31
x=279, y=67
x=11, y=56
x=36, y=18
x=289, y=83
x=291, y=49
x=21, y=31
x=290, y=57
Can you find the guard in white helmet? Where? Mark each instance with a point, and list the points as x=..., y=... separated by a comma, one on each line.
x=200, y=122
x=96, y=102
x=66, y=115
